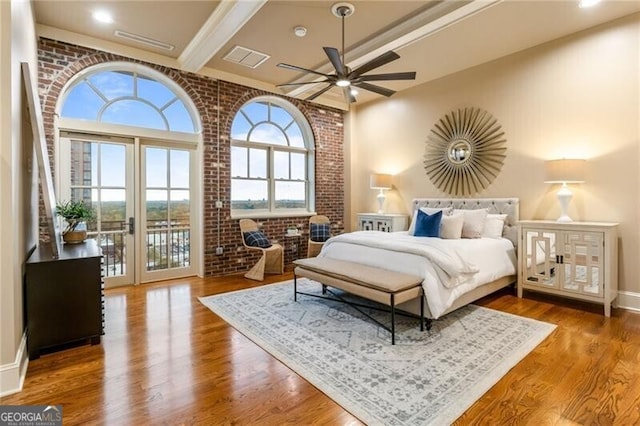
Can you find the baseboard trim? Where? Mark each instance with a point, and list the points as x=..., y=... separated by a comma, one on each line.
x=12, y=375
x=629, y=300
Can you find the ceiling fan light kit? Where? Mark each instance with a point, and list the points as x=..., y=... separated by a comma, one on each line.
x=346, y=78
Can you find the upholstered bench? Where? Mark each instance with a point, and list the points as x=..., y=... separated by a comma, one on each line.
x=379, y=285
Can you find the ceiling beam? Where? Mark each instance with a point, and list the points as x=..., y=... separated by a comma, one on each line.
x=225, y=21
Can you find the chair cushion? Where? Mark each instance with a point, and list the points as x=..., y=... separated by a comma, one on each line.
x=256, y=239
x=319, y=232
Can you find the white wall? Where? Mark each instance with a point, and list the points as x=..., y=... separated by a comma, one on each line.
x=573, y=97
x=18, y=192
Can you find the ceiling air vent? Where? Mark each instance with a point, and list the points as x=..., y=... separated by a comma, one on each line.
x=144, y=40
x=247, y=57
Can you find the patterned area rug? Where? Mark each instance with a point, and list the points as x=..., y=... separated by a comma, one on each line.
x=427, y=378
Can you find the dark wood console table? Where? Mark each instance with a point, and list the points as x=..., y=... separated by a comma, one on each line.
x=64, y=297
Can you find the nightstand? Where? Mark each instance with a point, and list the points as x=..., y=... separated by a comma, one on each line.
x=571, y=259
x=386, y=222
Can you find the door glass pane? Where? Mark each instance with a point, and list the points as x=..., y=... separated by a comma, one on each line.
x=157, y=209
x=156, y=167
x=112, y=165
x=179, y=169
x=113, y=209
x=180, y=208
x=83, y=161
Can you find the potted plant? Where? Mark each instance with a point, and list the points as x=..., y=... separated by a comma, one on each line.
x=76, y=214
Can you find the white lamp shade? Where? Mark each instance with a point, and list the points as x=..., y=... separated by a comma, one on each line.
x=565, y=171
x=380, y=181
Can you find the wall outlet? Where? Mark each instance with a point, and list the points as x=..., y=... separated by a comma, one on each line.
x=218, y=204
x=219, y=250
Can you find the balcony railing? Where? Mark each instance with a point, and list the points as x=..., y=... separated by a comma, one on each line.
x=167, y=246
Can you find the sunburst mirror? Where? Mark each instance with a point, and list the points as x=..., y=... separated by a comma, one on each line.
x=465, y=151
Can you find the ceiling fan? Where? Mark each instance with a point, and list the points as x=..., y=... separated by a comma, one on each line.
x=345, y=77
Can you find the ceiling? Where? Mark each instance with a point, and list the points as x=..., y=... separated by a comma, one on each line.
x=433, y=38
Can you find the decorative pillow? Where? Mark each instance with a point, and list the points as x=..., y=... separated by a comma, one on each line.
x=493, y=225
x=473, y=222
x=428, y=225
x=319, y=232
x=428, y=210
x=451, y=226
x=256, y=239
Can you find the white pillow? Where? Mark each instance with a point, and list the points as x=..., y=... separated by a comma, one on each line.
x=451, y=226
x=493, y=225
x=473, y=222
x=428, y=210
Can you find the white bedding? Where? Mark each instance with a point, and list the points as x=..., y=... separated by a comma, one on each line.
x=449, y=268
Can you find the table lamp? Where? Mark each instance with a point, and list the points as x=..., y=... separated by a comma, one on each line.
x=381, y=182
x=564, y=171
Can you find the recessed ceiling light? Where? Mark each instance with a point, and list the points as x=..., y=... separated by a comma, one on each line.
x=354, y=92
x=300, y=31
x=102, y=16
x=587, y=3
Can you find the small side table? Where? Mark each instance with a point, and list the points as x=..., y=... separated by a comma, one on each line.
x=291, y=247
x=386, y=222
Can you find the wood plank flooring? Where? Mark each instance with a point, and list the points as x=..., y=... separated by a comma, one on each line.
x=167, y=359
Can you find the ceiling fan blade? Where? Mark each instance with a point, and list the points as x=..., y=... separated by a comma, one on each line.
x=389, y=76
x=385, y=58
x=376, y=89
x=348, y=96
x=305, y=82
x=296, y=68
x=318, y=93
x=334, y=57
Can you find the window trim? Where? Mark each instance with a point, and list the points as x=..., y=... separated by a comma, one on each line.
x=308, y=150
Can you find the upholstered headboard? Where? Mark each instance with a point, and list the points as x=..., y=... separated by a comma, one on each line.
x=508, y=206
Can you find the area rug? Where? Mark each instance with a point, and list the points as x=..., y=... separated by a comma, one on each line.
x=426, y=378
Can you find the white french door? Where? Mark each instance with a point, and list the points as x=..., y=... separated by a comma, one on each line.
x=143, y=195
x=167, y=212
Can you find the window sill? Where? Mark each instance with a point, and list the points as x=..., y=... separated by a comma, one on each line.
x=270, y=215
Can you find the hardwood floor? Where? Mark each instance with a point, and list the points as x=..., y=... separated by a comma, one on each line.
x=167, y=359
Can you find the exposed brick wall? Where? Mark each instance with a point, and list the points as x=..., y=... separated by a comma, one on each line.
x=59, y=62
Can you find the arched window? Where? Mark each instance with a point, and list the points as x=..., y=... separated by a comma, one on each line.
x=120, y=94
x=272, y=159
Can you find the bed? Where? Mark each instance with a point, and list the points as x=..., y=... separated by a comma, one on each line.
x=455, y=272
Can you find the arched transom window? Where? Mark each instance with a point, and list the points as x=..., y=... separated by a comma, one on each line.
x=128, y=97
x=271, y=159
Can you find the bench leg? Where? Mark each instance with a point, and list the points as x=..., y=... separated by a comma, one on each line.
x=393, y=320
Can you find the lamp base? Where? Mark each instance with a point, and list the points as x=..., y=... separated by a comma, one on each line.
x=381, y=198
x=564, y=197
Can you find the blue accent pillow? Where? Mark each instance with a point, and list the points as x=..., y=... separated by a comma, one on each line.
x=256, y=239
x=319, y=232
x=428, y=225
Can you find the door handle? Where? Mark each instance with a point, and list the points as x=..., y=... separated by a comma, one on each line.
x=132, y=225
